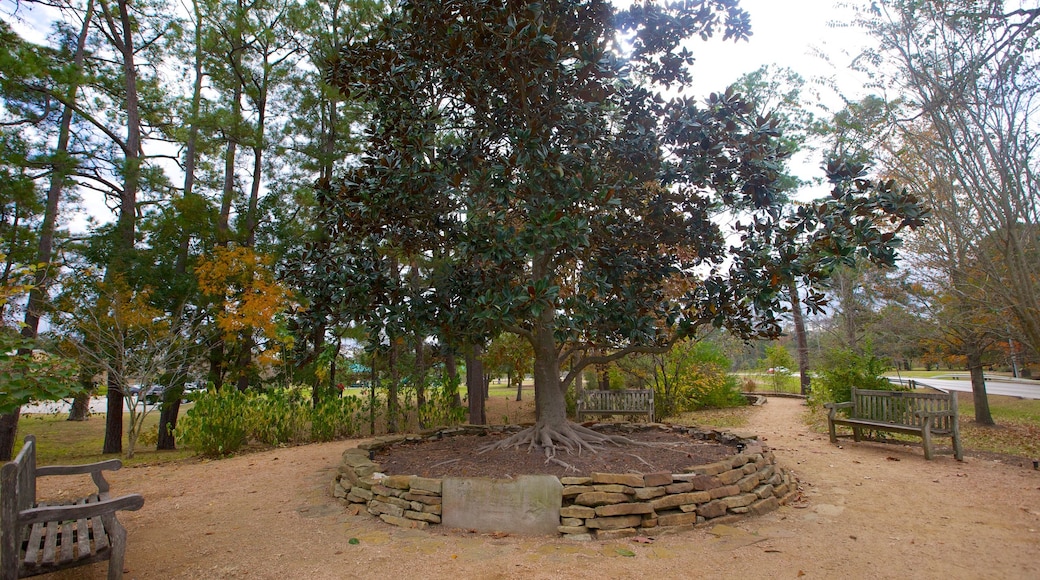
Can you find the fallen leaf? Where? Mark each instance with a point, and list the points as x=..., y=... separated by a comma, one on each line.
x=893, y=458
x=643, y=540
x=625, y=552
x=801, y=573
x=353, y=541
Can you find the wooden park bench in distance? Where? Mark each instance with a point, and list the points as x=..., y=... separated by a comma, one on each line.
x=921, y=414
x=624, y=402
x=36, y=538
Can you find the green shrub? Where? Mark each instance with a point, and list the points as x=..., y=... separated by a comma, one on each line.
x=280, y=416
x=218, y=423
x=439, y=410
x=337, y=417
x=692, y=377
x=843, y=369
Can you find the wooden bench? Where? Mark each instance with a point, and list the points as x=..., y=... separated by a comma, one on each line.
x=626, y=402
x=921, y=414
x=37, y=538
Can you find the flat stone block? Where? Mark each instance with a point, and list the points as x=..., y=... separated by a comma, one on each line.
x=427, y=484
x=572, y=521
x=672, y=501
x=711, y=468
x=583, y=537
x=528, y=505
x=577, y=511
x=362, y=493
x=677, y=519
x=724, y=491
x=712, y=509
x=572, y=530
x=614, y=523
x=575, y=480
x=623, y=509
x=614, y=488
x=765, y=506
x=422, y=517
x=742, y=500
x=629, y=479
x=681, y=487
x=749, y=483
x=730, y=477
x=598, y=498
x=645, y=493
x=398, y=481
x=423, y=499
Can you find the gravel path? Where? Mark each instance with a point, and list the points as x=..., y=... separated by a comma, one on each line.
x=868, y=511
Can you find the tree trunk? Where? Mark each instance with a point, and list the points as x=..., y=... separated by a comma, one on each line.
x=799, y=333
x=978, y=390
x=549, y=397
x=452, y=369
x=81, y=402
x=171, y=408
x=475, y=385
x=114, y=417
x=8, y=432
x=519, y=385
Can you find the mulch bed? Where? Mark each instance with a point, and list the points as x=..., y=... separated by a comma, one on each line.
x=460, y=456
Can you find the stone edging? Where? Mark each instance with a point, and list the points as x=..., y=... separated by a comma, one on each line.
x=602, y=506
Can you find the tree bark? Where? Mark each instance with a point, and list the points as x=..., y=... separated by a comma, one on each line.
x=8, y=432
x=978, y=389
x=799, y=332
x=475, y=385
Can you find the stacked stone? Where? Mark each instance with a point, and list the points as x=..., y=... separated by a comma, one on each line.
x=408, y=501
x=609, y=505
x=603, y=506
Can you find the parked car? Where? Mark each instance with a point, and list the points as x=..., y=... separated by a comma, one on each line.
x=154, y=394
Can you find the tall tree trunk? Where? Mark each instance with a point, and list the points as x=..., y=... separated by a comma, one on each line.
x=549, y=395
x=126, y=223
x=61, y=168
x=978, y=389
x=519, y=385
x=475, y=385
x=799, y=333
x=171, y=407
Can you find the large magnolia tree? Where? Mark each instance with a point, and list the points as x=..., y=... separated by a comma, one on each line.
x=529, y=153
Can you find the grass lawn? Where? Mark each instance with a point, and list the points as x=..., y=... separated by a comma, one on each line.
x=63, y=442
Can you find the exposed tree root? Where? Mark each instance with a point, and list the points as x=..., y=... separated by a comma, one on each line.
x=550, y=439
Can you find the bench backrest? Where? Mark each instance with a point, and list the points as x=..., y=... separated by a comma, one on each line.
x=17, y=493
x=901, y=407
x=628, y=400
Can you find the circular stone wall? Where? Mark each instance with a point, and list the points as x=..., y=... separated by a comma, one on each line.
x=598, y=505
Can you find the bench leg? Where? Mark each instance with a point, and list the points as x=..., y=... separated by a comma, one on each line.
x=830, y=428
x=926, y=437
x=857, y=434
x=958, y=453
x=117, y=535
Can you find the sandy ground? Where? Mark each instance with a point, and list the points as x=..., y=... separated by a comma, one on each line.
x=869, y=511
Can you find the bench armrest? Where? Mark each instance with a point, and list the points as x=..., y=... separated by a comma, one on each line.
x=94, y=469
x=77, y=512
x=832, y=408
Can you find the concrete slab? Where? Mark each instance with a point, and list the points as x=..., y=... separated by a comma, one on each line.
x=529, y=505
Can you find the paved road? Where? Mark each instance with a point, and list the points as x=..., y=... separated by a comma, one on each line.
x=1011, y=388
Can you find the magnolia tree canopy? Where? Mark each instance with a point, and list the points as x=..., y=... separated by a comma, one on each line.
x=539, y=168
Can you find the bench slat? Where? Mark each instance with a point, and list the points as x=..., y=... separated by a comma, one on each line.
x=50, y=542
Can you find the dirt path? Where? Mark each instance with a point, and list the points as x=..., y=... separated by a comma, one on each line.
x=869, y=511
